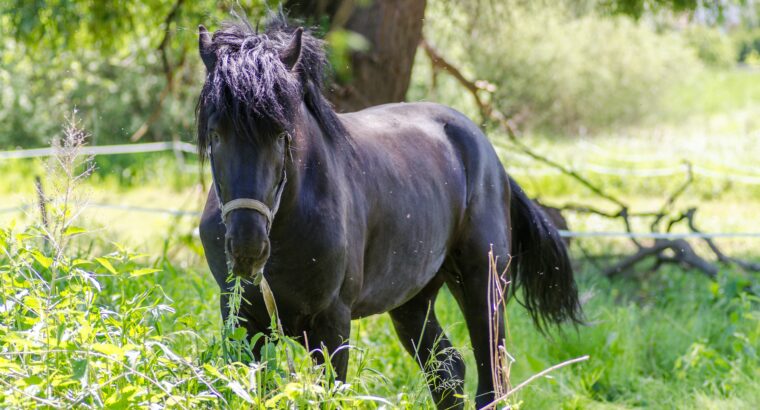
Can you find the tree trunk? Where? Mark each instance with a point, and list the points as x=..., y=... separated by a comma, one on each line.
x=393, y=29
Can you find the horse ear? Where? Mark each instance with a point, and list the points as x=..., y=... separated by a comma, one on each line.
x=292, y=53
x=206, y=48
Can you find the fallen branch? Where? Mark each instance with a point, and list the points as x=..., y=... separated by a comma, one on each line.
x=683, y=254
x=722, y=257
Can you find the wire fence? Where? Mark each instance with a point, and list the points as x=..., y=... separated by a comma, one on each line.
x=563, y=233
x=115, y=207
x=177, y=146
x=697, y=170
x=185, y=147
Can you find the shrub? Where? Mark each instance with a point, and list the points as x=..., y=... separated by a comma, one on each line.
x=113, y=97
x=712, y=47
x=748, y=46
x=558, y=69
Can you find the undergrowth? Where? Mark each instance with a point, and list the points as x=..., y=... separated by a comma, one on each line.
x=80, y=327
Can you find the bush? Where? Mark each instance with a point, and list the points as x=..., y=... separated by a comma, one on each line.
x=712, y=47
x=560, y=70
x=113, y=97
x=748, y=46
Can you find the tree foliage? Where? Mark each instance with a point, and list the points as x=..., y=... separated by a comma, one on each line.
x=637, y=8
x=131, y=68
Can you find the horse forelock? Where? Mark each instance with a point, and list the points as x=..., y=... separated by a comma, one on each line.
x=251, y=86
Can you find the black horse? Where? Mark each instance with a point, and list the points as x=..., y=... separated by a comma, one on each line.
x=352, y=215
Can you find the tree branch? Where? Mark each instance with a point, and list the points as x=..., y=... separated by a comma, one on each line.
x=168, y=73
x=746, y=265
x=489, y=112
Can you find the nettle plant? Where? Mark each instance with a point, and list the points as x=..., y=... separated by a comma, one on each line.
x=83, y=327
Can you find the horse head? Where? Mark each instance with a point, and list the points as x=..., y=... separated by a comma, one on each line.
x=246, y=115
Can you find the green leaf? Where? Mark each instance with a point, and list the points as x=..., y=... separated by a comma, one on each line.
x=144, y=271
x=269, y=356
x=106, y=264
x=108, y=349
x=239, y=334
x=73, y=230
x=78, y=262
x=42, y=259
x=79, y=367
x=211, y=369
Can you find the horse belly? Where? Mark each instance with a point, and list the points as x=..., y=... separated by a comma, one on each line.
x=402, y=257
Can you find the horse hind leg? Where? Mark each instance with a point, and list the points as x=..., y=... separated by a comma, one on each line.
x=422, y=336
x=469, y=281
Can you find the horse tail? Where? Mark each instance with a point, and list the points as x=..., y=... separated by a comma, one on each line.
x=540, y=264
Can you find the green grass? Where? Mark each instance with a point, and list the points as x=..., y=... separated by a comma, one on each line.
x=674, y=339
x=717, y=93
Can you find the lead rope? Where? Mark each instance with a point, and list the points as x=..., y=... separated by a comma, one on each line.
x=259, y=280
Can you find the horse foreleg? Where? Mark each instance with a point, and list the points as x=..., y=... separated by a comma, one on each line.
x=327, y=336
x=212, y=232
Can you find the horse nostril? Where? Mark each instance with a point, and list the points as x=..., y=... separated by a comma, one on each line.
x=264, y=252
x=256, y=250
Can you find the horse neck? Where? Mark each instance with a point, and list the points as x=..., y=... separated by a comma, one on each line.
x=318, y=160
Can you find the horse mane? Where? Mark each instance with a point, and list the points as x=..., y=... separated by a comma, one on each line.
x=252, y=86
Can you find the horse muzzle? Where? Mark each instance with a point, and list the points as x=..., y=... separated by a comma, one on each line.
x=247, y=243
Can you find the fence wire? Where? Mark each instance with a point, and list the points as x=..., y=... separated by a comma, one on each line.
x=185, y=147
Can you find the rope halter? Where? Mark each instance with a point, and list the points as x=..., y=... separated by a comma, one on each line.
x=247, y=203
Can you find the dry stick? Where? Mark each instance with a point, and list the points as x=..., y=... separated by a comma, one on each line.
x=42, y=201
x=674, y=220
x=440, y=63
x=534, y=377
x=673, y=198
x=500, y=361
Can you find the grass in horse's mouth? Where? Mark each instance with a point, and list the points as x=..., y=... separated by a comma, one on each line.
x=248, y=266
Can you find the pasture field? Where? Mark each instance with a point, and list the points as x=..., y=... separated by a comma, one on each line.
x=122, y=312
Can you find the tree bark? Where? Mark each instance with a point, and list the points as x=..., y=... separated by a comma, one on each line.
x=393, y=29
